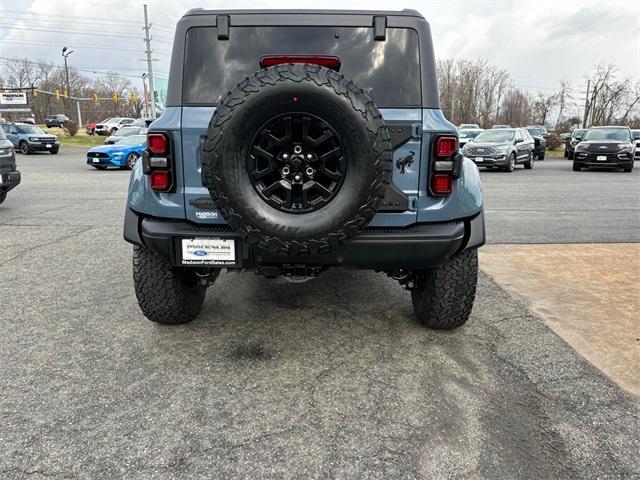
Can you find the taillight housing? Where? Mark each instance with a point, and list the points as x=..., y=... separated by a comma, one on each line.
x=158, y=143
x=160, y=180
x=442, y=183
x=445, y=166
x=157, y=162
x=328, y=61
x=446, y=146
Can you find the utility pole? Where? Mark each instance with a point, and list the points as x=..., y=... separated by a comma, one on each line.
x=148, y=51
x=65, y=53
x=586, y=106
x=145, y=94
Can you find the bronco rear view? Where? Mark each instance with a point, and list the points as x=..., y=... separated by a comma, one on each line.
x=294, y=141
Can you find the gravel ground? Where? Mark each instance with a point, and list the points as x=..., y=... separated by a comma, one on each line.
x=327, y=379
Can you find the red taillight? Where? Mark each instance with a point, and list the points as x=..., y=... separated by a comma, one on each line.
x=160, y=180
x=442, y=183
x=446, y=146
x=158, y=143
x=328, y=61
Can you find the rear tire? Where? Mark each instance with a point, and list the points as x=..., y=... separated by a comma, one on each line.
x=443, y=298
x=166, y=294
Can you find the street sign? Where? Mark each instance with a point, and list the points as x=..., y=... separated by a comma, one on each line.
x=13, y=98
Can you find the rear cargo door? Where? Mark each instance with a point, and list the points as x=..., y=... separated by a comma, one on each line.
x=388, y=70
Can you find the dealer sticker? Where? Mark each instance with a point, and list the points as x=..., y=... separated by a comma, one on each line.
x=208, y=251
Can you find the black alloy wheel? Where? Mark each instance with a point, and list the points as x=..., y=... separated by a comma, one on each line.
x=296, y=162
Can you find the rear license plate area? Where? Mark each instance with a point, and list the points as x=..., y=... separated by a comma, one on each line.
x=209, y=251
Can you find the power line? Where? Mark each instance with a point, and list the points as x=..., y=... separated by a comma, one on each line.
x=80, y=68
x=79, y=46
x=73, y=32
x=78, y=19
x=65, y=17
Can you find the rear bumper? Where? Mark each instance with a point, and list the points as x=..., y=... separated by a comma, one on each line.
x=417, y=247
x=9, y=181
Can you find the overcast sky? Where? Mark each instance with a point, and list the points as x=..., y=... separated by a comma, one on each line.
x=539, y=42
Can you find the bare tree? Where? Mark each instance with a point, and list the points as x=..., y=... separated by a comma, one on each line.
x=563, y=99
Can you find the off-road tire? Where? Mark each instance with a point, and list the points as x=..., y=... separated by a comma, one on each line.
x=166, y=294
x=444, y=295
x=297, y=88
x=576, y=167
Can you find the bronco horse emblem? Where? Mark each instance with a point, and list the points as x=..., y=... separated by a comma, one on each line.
x=406, y=161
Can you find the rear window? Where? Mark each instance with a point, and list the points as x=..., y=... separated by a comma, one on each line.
x=388, y=70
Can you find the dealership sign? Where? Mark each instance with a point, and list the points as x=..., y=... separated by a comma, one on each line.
x=13, y=98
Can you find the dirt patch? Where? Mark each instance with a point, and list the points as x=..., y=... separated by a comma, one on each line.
x=589, y=294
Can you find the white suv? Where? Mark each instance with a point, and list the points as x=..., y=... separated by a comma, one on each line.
x=112, y=125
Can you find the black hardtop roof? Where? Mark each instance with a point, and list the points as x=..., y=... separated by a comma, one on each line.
x=383, y=13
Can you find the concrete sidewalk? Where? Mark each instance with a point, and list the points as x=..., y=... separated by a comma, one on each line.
x=589, y=294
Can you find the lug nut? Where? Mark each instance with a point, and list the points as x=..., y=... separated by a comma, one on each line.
x=309, y=156
x=297, y=149
x=309, y=171
x=285, y=156
x=285, y=171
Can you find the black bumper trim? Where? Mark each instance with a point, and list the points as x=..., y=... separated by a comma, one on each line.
x=417, y=247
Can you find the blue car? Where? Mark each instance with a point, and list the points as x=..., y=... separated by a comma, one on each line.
x=123, y=154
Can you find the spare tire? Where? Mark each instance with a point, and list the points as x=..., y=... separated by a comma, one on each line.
x=297, y=158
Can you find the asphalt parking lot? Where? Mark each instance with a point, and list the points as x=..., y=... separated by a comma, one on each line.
x=326, y=379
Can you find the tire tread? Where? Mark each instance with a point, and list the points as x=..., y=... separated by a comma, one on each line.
x=341, y=86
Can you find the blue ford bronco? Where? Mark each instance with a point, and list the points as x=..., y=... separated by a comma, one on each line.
x=294, y=141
